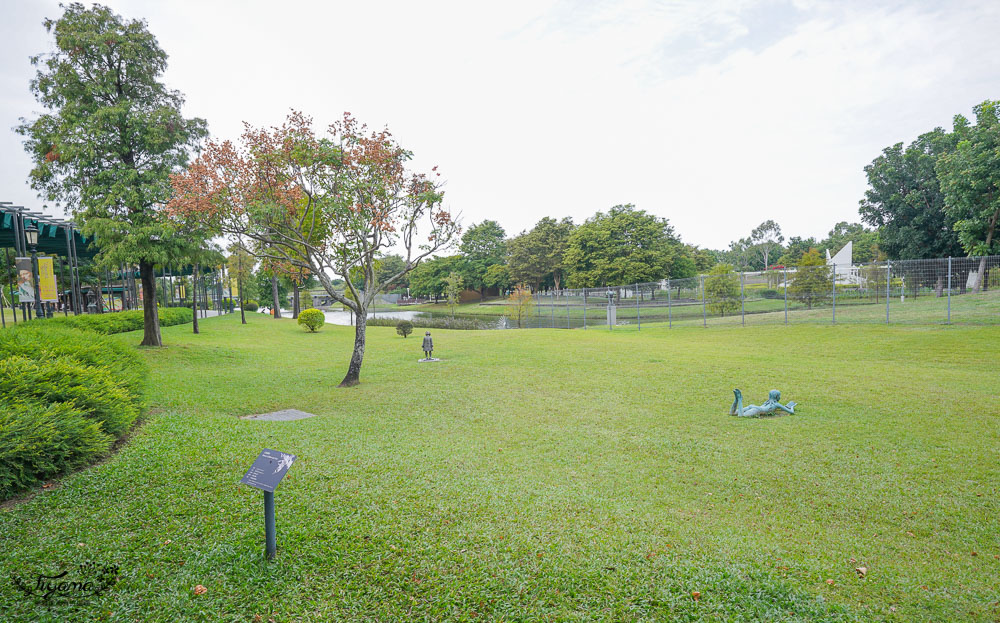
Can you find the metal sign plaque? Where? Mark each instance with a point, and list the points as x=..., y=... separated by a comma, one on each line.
x=268, y=470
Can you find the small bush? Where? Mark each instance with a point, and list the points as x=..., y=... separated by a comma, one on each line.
x=251, y=306
x=404, y=327
x=311, y=319
x=770, y=294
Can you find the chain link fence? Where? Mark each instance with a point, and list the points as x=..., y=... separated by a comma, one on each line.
x=933, y=291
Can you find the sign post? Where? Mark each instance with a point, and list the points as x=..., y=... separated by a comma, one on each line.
x=265, y=474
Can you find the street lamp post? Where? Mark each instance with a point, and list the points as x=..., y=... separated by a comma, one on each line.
x=31, y=236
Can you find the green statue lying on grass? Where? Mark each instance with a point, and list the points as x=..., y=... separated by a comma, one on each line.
x=768, y=408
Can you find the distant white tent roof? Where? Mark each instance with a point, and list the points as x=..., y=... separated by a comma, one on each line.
x=844, y=257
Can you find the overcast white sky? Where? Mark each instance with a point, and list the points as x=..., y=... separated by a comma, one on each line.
x=716, y=115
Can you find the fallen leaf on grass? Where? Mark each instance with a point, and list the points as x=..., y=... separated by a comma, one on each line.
x=200, y=590
x=862, y=571
x=696, y=595
x=167, y=542
x=48, y=485
x=830, y=582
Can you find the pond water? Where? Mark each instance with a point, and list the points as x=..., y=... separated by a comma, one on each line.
x=345, y=317
x=485, y=321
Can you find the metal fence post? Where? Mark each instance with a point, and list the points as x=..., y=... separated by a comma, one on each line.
x=638, y=318
x=585, y=309
x=566, y=297
x=785, y=288
x=743, y=300
x=949, y=289
x=704, y=313
x=834, y=294
x=670, y=311
x=552, y=308
x=888, y=293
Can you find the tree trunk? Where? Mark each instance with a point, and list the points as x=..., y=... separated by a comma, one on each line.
x=981, y=276
x=150, y=315
x=295, y=300
x=354, y=369
x=243, y=316
x=194, y=297
x=274, y=296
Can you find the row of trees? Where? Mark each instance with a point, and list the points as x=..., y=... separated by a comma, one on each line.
x=766, y=247
x=622, y=245
x=940, y=195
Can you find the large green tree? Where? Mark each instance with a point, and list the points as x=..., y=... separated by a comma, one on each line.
x=389, y=267
x=537, y=256
x=111, y=136
x=428, y=278
x=905, y=202
x=622, y=246
x=970, y=179
x=483, y=245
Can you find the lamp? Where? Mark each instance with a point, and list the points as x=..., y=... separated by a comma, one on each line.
x=31, y=235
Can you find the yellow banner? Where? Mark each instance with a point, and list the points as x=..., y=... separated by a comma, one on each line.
x=47, y=280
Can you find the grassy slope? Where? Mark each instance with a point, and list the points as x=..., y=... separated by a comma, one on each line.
x=578, y=475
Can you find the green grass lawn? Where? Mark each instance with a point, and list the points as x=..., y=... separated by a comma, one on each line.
x=543, y=475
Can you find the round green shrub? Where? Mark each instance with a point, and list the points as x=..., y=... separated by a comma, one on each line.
x=404, y=327
x=311, y=319
x=251, y=306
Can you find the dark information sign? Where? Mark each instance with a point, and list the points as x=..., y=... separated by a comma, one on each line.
x=268, y=470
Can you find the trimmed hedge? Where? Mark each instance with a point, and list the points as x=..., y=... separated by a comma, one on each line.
x=39, y=441
x=120, y=322
x=251, y=305
x=65, y=396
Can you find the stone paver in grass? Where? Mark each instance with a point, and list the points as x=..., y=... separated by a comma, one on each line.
x=285, y=415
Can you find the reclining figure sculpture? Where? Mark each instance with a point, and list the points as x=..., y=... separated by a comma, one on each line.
x=768, y=408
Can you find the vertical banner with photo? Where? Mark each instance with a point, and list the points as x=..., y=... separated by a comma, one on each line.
x=47, y=280
x=25, y=280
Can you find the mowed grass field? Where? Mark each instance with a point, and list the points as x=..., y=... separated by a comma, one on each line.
x=543, y=475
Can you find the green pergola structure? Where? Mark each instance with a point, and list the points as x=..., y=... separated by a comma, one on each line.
x=61, y=238
x=55, y=237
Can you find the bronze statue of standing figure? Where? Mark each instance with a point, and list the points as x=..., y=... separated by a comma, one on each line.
x=428, y=345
